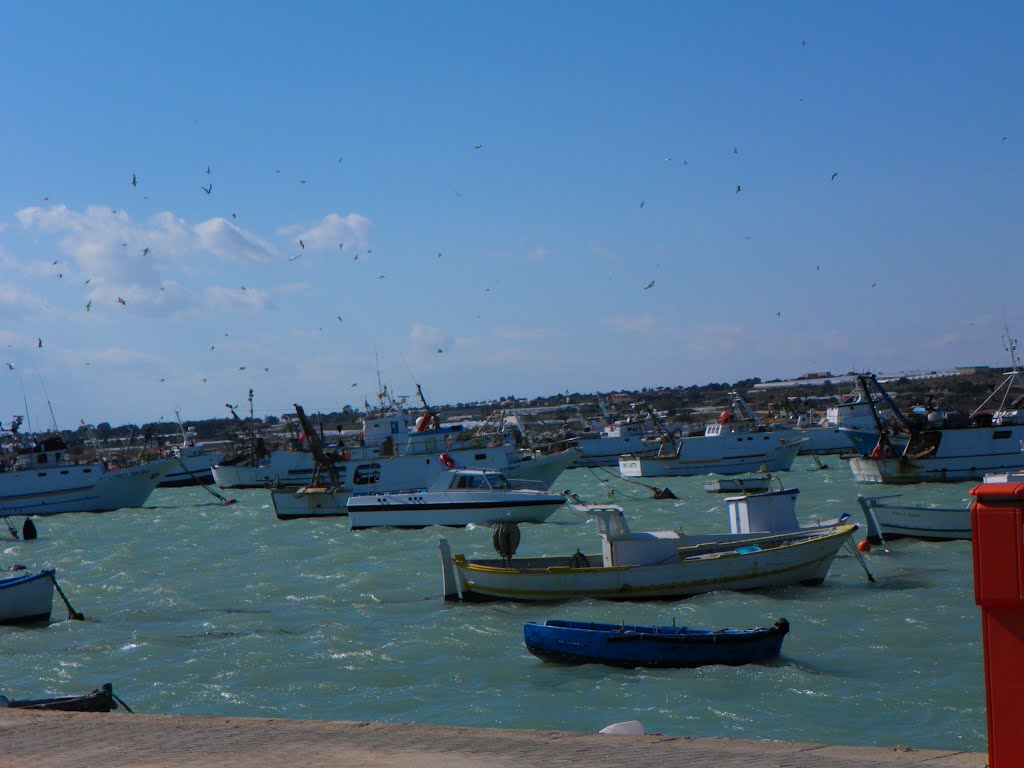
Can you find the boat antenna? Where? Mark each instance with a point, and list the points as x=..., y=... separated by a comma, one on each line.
x=24, y=399
x=42, y=384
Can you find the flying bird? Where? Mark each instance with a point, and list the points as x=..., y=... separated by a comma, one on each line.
x=241, y=367
x=88, y=305
x=735, y=150
x=145, y=251
x=233, y=216
x=641, y=203
x=738, y=189
x=478, y=146
x=778, y=314
x=834, y=176
x=163, y=379
x=39, y=343
x=243, y=287
x=873, y=285
x=207, y=189
x=10, y=366
x=207, y=170
x=649, y=285
x=302, y=245
x=60, y=275
x=341, y=246
x=87, y=281
x=439, y=350
x=380, y=277
x=52, y=263
x=121, y=301
x=296, y=256
x=339, y=319
x=134, y=182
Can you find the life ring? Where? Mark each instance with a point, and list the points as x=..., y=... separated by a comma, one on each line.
x=446, y=461
x=677, y=433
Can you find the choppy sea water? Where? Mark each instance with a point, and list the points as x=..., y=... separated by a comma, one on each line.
x=194, y=608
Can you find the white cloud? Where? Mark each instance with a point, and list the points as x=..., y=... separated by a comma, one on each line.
x=428, y=335
x=230, y=242
x=235, y=298
x=515, y=333
x=334, y=229
x=538, y=254
x=109, y=244
x=623, y=323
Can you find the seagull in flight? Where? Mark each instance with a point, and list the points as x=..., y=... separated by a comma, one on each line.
x=207, y=189
x=341, y=246
x=145, y=251
x=339, y=319
x=649, y=285
x=834, y=176
x=738, y=189
x=39, y=343
x=88, y=305
x=207, y=170
x=296, y=256
x=302, y=245
x=778, y=314
x=134, y=182
x=10, y=366
x=121, y=301
x=478, y=146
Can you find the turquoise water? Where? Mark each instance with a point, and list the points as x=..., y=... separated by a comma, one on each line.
x=199, y=609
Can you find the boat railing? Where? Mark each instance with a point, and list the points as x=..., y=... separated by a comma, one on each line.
x=517, y=484
x=754, y=544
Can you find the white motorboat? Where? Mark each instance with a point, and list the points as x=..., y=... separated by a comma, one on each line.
x=44, y=481
x=946, y=446
x=26, y=597
x=766, y=548
x=456, y=497
x=409, y=471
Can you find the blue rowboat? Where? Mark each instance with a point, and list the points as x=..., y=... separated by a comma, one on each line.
x=625, y=645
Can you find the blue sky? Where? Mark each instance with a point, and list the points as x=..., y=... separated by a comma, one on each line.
x=484, y=192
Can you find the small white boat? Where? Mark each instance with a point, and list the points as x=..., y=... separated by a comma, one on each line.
x=26, y=598
x=660, y=564
x=918, y=521
x=456, y=497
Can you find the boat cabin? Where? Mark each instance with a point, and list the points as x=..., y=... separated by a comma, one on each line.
x=473, y=480
x=48, y=452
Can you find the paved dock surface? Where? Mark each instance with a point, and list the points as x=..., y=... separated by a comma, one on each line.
x=69, y=740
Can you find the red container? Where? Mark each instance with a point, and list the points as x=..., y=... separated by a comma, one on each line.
x=997, y=536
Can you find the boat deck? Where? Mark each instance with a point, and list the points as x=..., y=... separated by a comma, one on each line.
x=73, y=740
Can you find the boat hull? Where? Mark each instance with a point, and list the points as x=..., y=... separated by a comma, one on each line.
x=900, y=471
x=419, y=510
x=79, y=488
x=638, y=646
x=917, y=521
x=26, y=599
x=805, y=559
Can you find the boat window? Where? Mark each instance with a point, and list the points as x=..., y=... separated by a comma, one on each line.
x=462, y=481
x=480, y=456
x=1001, y=434
x=366, y=474
x=497, y=481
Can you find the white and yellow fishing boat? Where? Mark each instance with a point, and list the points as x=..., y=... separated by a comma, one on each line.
x=656, y=564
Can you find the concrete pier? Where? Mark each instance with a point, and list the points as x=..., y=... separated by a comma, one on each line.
x=83, y=740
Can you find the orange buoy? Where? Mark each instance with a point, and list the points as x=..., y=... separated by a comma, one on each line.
x=864, y=546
